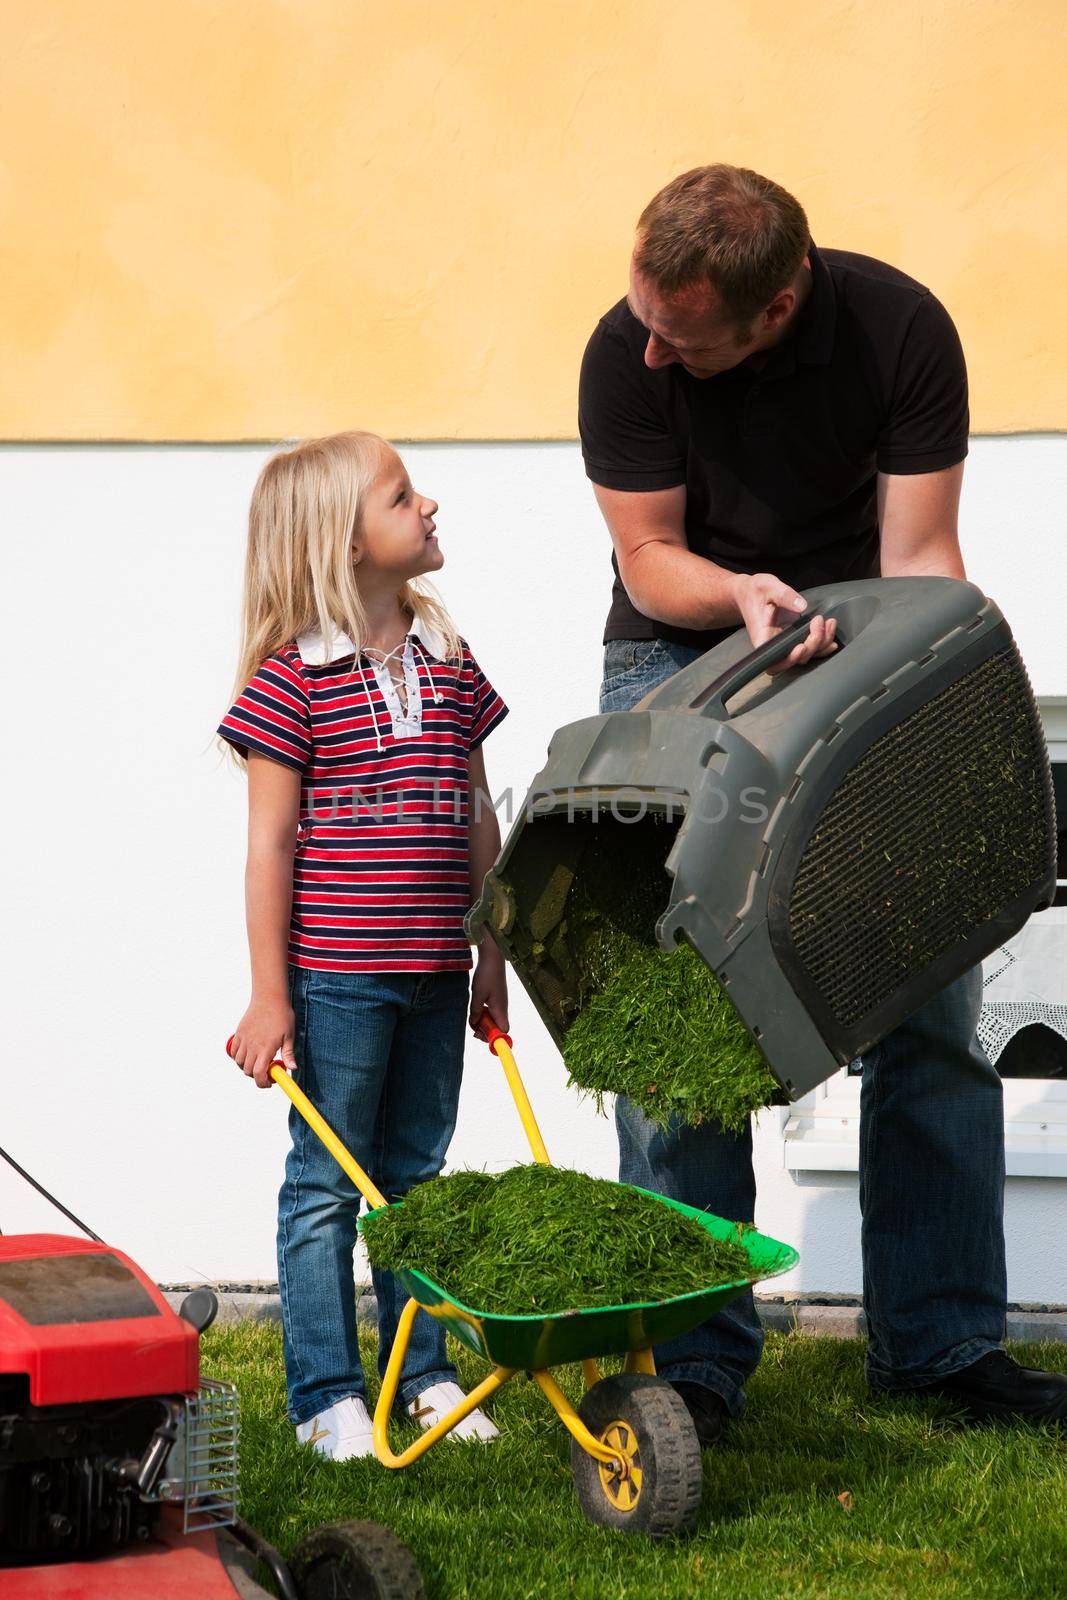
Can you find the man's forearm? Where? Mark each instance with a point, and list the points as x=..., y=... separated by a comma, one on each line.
x=673, y=585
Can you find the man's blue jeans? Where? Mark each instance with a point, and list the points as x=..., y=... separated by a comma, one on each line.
x=931, y=1171
x=381, y=1056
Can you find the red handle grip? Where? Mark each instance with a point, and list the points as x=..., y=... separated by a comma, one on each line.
x=485, y=1028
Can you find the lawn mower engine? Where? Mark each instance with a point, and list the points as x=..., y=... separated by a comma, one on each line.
x=838, y=842
x=103, y=1417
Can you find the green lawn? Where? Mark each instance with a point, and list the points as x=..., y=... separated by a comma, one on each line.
x=930, y=1509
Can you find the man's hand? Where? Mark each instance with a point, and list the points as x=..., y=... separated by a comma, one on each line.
x=767, y=606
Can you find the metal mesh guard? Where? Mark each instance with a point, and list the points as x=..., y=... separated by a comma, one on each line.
x=940, y=824
x=203, y=1473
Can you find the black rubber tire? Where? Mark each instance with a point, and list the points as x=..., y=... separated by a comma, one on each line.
x=671, y=1477
x=355, y=1561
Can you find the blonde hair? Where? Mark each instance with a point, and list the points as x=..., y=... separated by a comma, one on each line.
x=299, y=575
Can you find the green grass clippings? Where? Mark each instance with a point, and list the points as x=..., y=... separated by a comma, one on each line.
x=548, y=1239
x=662, y=1031
x=656, y=1026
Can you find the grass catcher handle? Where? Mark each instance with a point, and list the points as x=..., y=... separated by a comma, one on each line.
x=711, y=702
x=344, y=1157
x=499, y=1043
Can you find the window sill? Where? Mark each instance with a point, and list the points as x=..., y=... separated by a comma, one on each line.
x=1032, y=1149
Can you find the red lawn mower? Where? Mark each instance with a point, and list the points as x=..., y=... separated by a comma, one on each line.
x=118, y=1461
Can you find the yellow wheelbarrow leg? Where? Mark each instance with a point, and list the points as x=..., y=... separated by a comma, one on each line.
x=591, y=1372
x=383, y=1410
x=640, y=1361
x=575, y=1426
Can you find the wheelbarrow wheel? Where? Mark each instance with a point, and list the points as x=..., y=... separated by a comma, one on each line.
x=355, y=1561
x=658, y=1493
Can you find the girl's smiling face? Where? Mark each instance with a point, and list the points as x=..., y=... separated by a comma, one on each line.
x=396, y=532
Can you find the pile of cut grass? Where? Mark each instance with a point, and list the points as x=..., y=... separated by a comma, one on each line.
x=547, y=1239
x=655, y=1026
x=662, y=1031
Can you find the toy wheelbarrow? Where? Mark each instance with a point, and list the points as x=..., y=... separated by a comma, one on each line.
x=635, y=1458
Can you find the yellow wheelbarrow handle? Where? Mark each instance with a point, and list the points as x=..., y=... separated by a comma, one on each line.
x=314, y=1119
x=498, y=1041
x=500, y=1044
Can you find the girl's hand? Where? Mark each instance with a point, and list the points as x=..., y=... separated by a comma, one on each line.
x=490, y=986
x=264, y=1035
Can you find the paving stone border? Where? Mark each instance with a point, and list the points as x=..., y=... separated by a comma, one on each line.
x=827, y=1315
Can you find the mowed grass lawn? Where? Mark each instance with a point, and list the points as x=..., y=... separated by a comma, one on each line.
x=818, y=1491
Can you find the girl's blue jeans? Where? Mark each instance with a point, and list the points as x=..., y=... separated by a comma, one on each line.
x=931, y=1172
x=381, y=1056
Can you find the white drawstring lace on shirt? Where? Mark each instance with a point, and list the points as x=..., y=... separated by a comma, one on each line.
x=407, y=720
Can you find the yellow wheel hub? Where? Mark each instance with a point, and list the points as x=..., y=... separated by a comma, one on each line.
x=621, y=1479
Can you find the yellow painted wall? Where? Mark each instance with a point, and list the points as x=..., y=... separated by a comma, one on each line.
x=230, y=219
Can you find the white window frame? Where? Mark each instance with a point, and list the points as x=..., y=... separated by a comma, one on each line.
x=820, y=1131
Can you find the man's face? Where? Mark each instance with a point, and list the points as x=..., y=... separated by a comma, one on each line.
x=690, y=327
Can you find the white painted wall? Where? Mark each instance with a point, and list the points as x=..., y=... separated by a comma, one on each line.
x=124, y=961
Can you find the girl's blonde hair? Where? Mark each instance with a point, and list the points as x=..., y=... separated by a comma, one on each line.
x=299, y=575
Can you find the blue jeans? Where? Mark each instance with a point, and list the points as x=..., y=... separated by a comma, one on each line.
x=931, y=1171
x=381, y=1056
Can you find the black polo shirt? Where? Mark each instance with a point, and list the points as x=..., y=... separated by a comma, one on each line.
x=780, y=462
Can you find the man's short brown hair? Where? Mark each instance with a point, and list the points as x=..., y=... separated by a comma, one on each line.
x=726, y=226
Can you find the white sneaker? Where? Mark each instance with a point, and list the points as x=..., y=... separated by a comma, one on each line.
x=441, y=1398
x=341, y=1433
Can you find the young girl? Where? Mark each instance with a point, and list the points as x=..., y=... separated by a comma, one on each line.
x=361, y=715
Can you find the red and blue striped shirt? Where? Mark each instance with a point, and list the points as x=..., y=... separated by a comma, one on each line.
x=381, y=870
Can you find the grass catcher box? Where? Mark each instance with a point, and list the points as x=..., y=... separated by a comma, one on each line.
x=837, y=842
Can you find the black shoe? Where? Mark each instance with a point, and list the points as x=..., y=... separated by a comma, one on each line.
x=996, y=1386
x=707, y=1409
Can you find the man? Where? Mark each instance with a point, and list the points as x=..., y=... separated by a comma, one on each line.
x=759, y=416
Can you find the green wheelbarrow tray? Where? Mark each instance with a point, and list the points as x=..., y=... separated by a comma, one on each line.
x=536, y=1340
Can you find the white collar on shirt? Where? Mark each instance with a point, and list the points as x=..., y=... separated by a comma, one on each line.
x=314, y=652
